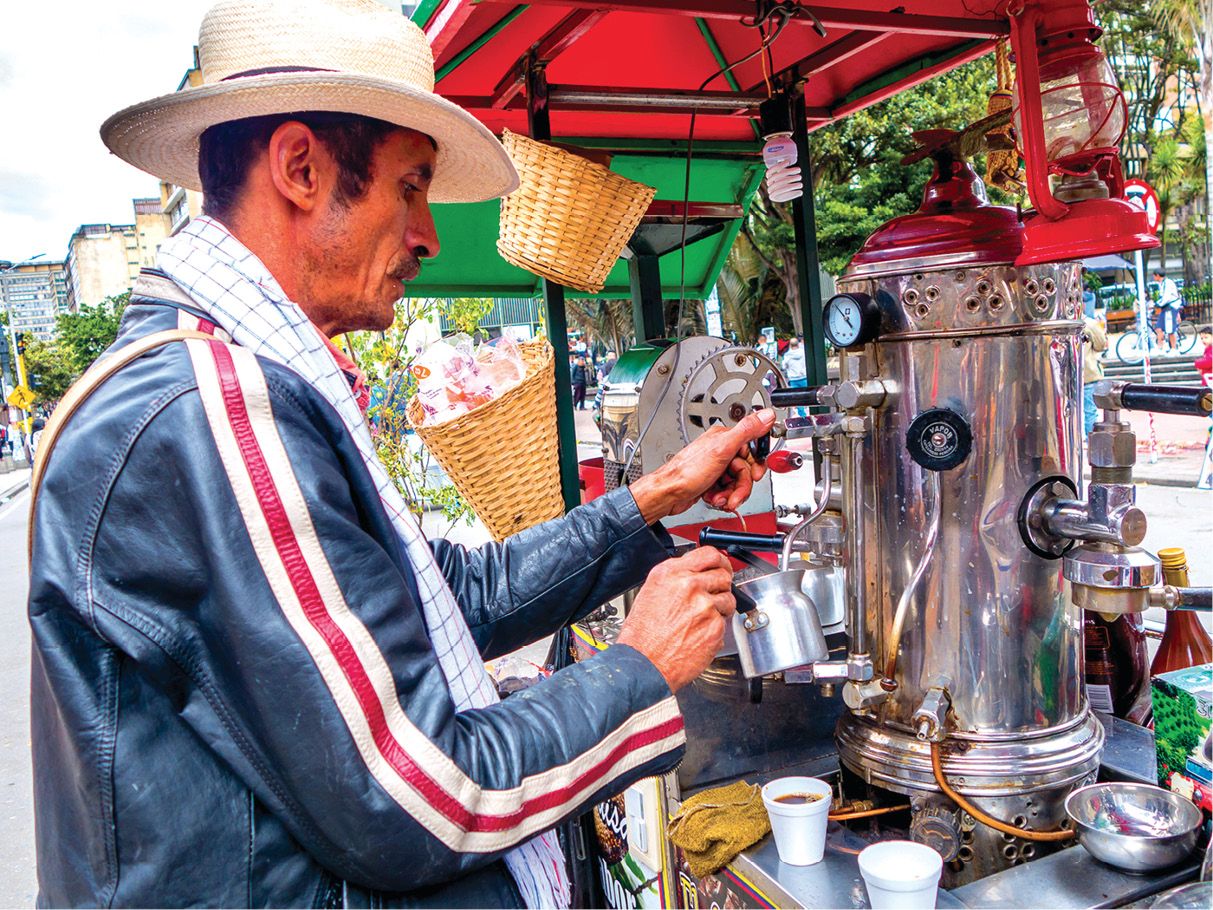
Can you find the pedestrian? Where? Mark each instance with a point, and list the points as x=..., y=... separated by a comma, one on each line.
x=1095, y=342
x=1204, y=363
x=1169, y=309
x=794, y=369
x=254, y=681
x=579, y=383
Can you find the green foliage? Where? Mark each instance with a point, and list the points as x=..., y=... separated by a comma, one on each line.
x=49, y=371
x=1178, y=727
x=386, y=357
x=858, y=178
x=83, y=335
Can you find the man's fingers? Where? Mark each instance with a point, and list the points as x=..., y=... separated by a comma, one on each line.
x=751, y=427
x=703, y=559
x=741, y=492
x=725, y=604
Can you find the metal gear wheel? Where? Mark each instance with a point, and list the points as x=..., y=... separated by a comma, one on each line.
x=723, y=387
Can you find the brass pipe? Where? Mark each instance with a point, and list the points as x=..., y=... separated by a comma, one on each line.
x=847, y=816
x=889, y=683
x=937, y=767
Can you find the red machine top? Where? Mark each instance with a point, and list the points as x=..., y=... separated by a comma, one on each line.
x=956, y=225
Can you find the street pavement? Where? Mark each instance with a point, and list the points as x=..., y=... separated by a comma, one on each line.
x=17, y=880
x=1179, y=515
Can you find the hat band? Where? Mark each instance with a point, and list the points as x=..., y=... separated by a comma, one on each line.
x=264, y=71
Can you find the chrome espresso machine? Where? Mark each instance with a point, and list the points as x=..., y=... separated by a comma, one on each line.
x=951, y=545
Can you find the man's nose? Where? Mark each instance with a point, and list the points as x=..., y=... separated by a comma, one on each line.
x=421, y=237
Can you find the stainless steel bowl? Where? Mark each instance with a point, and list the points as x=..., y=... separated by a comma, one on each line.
x=1135, y=827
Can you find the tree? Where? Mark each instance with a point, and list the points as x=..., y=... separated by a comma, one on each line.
x=386, y=357
x=1156, y=60
x=605, y=321
x=83, y=335
x=48, y=371
x=1190, y=24
x=858, y=180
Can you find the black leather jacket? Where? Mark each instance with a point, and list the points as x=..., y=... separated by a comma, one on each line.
x=200, y=732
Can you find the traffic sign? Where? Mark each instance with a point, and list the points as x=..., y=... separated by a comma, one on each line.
x=1142, y=195
x=21, y=397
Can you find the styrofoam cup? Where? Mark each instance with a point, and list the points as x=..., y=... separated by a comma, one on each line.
x=800, y=830
x=900, y=875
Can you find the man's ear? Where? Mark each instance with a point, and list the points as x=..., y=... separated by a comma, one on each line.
x=298, y=163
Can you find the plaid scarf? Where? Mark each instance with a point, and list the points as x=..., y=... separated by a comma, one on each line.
x=239, y=294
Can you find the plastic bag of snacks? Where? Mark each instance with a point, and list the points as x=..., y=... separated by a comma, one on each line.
x=454, y=376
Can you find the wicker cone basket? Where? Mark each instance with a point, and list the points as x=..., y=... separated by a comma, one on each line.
x=570, y=218
x=503, y=456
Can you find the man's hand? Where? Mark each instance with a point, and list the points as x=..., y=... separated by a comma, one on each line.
x=677, y=620
x=717, y=466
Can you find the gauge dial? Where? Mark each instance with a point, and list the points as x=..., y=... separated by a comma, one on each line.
x=851, y=319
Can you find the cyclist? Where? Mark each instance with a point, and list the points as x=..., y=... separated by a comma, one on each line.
x=1170, y=307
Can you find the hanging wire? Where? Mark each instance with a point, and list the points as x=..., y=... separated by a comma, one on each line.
x=784, y=12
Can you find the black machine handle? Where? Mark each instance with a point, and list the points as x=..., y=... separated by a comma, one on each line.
x=714, y=537
x=745, y=603
x=1193, y=401
x=1196, y=599
x=791, y=397
x=743, y=555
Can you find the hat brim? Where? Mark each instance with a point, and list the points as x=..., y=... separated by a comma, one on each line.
x=161, y=136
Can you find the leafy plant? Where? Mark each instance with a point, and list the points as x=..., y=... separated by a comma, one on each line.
x=386, y=358
x=85, y=334
x=48, y=370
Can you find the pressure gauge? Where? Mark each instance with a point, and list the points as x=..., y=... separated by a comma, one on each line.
x=851, y=319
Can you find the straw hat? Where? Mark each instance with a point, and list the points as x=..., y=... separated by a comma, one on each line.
x=278, y=56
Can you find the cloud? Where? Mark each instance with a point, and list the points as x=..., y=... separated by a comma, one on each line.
x=55, y=174
x=23, y=193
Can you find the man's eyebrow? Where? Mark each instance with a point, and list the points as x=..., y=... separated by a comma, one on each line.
x=425, y=171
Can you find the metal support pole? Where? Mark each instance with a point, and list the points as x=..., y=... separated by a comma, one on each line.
x=808, y=265
x=540, y=127
x=26, y=416
x=648, y=308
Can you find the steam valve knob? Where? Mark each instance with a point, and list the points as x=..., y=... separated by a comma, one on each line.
x=939, y=439
x=784, y=461
x=939, y=829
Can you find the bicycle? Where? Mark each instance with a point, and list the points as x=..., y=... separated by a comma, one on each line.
x=1129, y=351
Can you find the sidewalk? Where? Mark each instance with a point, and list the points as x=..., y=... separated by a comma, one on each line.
x=1180, y=446
x=13, y=482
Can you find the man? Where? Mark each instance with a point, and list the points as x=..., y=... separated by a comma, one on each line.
x=794, y=368
x=1170, y=307
x=254, y=681
x=579, y=379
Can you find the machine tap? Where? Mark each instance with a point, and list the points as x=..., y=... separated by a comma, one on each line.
x=1107, y=570
x=930, y=718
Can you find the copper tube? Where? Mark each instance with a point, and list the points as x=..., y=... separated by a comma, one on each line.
x=937, y=767
x=846, y=816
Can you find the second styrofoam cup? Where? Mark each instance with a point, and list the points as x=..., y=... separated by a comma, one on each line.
x=798, y=821
x=901, y=875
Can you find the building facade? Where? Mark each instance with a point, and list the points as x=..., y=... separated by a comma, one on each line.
x=178, y=204
x=103, y=260
x=100, y=259
x=33, y=294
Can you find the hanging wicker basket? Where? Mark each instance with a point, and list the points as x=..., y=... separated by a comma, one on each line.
x=503, y=456
x=570, y=218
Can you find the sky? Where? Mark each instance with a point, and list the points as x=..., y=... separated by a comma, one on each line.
x=66, y=65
